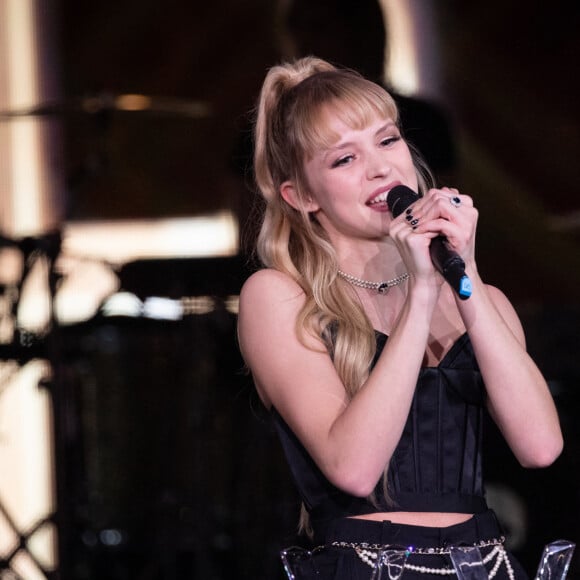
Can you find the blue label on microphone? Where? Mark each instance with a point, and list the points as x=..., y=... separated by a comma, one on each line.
x=465, y=287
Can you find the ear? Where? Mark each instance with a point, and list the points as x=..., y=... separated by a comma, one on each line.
x=290, y=195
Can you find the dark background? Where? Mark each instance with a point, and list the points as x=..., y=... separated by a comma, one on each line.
x=167, y=467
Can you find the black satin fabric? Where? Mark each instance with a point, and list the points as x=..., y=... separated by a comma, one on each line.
x=437, y=465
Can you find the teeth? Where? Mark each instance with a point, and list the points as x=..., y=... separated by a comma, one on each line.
x=382, y=198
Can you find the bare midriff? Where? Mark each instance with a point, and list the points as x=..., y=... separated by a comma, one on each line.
x=428, y=519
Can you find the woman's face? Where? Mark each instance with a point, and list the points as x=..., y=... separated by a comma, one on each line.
x=349, y=180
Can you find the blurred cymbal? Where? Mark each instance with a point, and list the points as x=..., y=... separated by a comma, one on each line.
x=107, y=102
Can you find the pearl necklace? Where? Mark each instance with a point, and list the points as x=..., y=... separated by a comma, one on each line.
x=380, y=287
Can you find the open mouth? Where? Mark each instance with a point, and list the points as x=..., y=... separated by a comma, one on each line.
x=380, y=199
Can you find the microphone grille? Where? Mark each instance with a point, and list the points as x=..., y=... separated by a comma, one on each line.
x=400, y=198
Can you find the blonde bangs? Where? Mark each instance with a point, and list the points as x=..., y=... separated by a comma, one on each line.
x=354, y=107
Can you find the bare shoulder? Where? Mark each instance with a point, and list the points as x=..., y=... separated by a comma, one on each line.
x=269, y=305
x=269, y=282
x=271, y=344
x=269, y=293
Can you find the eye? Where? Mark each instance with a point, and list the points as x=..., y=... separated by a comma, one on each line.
x=390, y=140
x=342, y=161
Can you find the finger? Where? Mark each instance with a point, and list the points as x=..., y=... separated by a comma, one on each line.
x=453, y=193
x=442, y=204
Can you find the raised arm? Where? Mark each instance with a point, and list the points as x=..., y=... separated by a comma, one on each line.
x=350, y=440
x=518, y=397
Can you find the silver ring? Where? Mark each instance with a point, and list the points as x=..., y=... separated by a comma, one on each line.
x=455, y=201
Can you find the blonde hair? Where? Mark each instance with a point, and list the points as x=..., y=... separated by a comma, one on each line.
x=290, y=127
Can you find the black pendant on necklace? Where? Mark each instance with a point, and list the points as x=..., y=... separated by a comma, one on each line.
x=383, y=288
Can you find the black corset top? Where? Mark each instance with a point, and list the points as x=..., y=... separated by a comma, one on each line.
x=437, y=464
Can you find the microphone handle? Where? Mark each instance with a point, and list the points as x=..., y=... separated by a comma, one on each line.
x=451, y=266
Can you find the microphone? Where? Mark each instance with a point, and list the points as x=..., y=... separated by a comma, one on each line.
x=448, y=262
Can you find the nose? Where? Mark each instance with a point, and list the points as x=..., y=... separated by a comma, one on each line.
x=377, y=164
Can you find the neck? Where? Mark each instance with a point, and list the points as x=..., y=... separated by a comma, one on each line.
x=371, y=260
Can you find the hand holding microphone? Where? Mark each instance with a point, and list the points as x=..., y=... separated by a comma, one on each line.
x=448, y=262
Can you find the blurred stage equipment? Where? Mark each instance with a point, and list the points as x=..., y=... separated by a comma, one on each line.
x=110, y=103
x=412, y=56
x=31, y=186
x=43, y=285
x=27, y=527
x=56, y=278
x=54, y=272
x=95, y=254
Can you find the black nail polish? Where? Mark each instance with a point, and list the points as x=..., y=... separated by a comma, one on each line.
x=414, y=222
x=409, y=217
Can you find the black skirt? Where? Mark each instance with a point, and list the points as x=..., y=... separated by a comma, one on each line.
x=354, y=547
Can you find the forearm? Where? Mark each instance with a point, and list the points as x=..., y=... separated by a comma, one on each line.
x=518, y=396
x=366, y=433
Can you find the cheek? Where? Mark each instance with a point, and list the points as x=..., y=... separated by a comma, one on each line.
x=411, y=172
